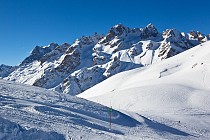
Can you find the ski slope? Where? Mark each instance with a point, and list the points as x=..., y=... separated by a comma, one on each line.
x=174, y=92
x=28, y=112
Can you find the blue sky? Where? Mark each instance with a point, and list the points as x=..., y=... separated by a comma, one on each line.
x=27, y=23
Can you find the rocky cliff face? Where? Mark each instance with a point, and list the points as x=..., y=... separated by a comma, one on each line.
x=73, y=68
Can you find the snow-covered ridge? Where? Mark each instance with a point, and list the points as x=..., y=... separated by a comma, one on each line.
x=73, y=68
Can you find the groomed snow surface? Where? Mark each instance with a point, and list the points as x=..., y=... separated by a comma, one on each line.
x=167, y=100
x=28, y=112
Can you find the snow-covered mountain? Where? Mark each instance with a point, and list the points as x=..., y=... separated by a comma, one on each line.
x=175, y=91
x=73, y=68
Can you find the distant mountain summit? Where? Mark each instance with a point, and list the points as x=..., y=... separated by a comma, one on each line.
x=5, y=70
x=73, y=68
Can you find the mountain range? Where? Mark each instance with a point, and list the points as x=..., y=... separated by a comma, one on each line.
x=74, y=68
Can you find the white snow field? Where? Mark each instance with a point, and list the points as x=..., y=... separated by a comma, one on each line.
x=171, y=99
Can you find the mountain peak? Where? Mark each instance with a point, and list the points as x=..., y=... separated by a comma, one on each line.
x=118, y=29
x=119, y=25
x=150, y=25
x=171, y=33
x=150, y=31
x=38, y=52
x=53, y=44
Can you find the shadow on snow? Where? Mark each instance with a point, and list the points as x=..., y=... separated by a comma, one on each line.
x=162, y=127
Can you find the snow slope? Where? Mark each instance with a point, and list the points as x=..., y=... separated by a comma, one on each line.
x=175, y=92
x=11, y=131
x=28, y=112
